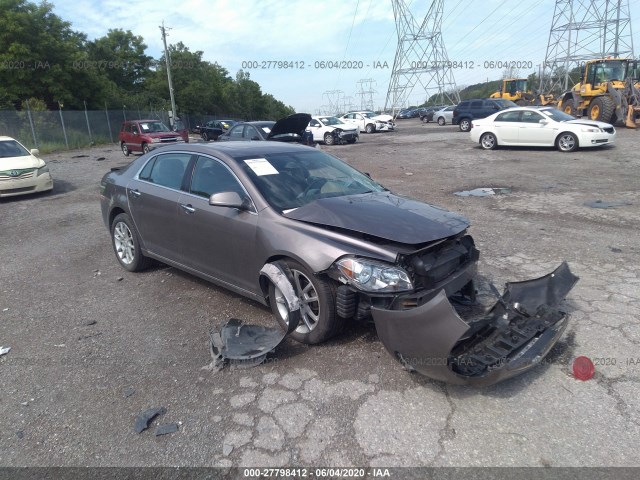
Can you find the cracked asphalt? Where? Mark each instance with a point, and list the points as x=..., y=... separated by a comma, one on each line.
x=93, y=346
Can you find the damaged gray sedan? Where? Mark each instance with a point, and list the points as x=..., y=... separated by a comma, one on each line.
x=349, y=247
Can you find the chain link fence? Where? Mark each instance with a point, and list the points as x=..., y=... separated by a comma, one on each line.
x=66, y=130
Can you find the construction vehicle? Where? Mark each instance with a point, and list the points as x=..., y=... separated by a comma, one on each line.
x=608, y=91
x=516, y=90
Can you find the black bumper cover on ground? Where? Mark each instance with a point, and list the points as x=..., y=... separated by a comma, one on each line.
x=514, y=336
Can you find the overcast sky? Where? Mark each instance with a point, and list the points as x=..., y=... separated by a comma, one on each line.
x=363, y=32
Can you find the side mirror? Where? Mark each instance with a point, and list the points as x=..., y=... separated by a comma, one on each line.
x=35, y=152
x=230, y=200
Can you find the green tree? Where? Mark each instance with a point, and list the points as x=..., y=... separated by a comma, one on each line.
x=41, y=57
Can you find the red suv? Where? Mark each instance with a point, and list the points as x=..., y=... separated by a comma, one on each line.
x=145, y=135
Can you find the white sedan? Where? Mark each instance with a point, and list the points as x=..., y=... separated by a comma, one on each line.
x=540, y=127
x=370, y=122
x=21, y=171
x=332, y=130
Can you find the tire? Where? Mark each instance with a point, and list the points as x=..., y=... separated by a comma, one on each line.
x=567, y=142
x=328, y=138
x=488, y=141
x=145, y=148
x=205, y=136
x=124, y=238
x=569, y=108
x=125, y=149
x=520, y=102
x=319, y=318
x=465, y=125
x=441, y=121
x=601, y=109
x=370, y=128
x=353, y=140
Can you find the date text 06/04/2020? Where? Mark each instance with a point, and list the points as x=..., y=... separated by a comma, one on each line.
x=314, y=65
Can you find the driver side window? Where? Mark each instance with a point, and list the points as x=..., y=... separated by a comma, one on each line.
x=211, y=176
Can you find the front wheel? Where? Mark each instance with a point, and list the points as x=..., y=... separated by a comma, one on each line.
x=126, y=244
x=567, y=142
x=441, y=121
x=319, y=320
x=328, y=139
x=488, y=141
x=370, y=128
x=465, y=125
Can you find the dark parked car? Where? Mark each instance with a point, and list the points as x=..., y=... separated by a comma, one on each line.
x=145, y=135
x=468, y=110
x=214, y=128
x=288, y=129
x=349, y=247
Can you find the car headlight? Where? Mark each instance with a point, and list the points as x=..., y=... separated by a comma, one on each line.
x=590, y=129
x=373, y=275
x=155, y=140
x=42, y=170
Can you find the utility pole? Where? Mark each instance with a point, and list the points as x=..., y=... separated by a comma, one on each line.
x=167, y=60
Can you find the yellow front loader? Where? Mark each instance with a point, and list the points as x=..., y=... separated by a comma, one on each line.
x=608, y=92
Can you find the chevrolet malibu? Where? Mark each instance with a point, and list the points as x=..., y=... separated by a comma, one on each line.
x=21, y=171
x=349, y=247
x=540, y=127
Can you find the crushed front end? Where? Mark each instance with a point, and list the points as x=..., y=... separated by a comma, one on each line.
x=513, y=336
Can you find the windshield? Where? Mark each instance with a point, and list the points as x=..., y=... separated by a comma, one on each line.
x=151, y=127
x=557, y=115
x=331, y=121
x=293, y=179
x=11, y=148
x=521, y=85
x=609, y=70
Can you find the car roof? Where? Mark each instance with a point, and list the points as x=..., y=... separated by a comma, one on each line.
x=241, y=149
x=4, y=138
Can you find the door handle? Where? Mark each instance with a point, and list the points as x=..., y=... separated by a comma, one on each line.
x=188, y=208
x=135, y=193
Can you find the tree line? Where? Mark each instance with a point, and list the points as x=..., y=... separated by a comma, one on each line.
x=44, y=60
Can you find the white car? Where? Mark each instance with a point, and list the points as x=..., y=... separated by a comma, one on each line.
x=444, y=115
x=369, y=122
x=332, y=130
x=21, y=171
x=540, y=127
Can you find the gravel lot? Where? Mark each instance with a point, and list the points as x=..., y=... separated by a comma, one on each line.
x=92, y=345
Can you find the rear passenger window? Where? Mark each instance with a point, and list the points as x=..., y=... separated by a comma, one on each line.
x=169, y=169
x=508, y=117
x=476, y=104
x=144, y=174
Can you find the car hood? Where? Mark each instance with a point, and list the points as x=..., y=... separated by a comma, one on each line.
x=383, y=118
x=18, y=163
x=293, y=124
x=591, y=123
x=383, y=215
x=162, y=134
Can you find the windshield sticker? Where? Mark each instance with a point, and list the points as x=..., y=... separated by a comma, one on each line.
x=266, y=129
x=261, y=166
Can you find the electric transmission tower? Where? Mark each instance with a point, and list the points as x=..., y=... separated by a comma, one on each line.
x=366, y=93
x=584, y=30
x=333, y=99
x=421, y=59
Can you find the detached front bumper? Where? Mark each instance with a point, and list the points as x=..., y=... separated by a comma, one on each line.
x=513, y=337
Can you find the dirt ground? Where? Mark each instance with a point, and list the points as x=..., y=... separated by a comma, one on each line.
x=93, y=346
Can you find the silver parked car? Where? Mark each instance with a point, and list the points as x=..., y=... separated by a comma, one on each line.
x=349, y=247
x=444, y=115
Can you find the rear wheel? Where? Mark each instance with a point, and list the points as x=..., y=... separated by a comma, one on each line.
x=465, y=125
x=567, y=142
x=205, y=136
x=319, y=320
x=125, y=149
x=601, y=109
x=126, y=245
x=370, y=128
x=488, y=141
x=145, y=148
x=441, y=121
